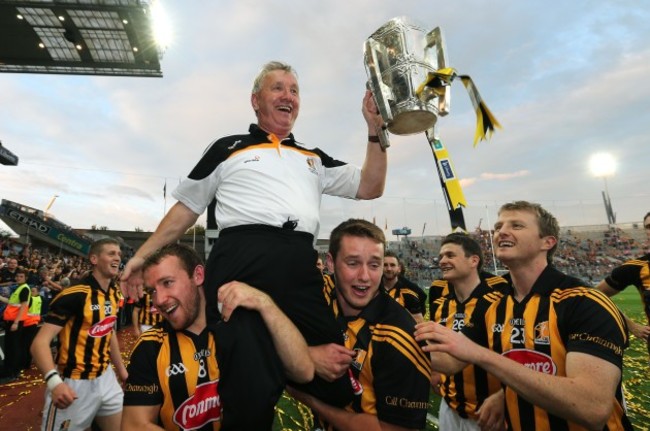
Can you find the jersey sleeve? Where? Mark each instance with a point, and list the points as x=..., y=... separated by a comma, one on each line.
x=401, y=373
x=436, y=290
x=593, y=325
x=625, y=275
x=199, y=188
x=66, y=305
x=142, y=388
x=339, y=178
x=412, y=302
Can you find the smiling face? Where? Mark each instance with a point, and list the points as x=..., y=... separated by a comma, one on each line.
x=391, y=268
x=517, y=239
x=358, y=269
x=107, y=261
x=454, y=264
x=177, y=295
x=277, y=103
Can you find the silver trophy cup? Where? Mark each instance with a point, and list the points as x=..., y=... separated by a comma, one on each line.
x=398, y=58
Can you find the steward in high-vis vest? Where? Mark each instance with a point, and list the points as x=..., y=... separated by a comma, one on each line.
x=14, y=317
x=31, y=323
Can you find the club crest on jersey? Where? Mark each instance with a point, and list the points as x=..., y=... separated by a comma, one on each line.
x=359, y=358
x=201, y=408
x=542, y=333
x=103, y=327
x=311, y=164
x=532, y=359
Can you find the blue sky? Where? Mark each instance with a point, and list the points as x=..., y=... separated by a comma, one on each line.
x=565, y=79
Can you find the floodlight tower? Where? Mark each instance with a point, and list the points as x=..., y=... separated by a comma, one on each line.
x=604, y=165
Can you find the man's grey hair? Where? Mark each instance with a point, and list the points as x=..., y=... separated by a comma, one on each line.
x=270, y=67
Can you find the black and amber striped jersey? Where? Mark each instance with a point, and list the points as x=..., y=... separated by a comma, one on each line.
x=558, y=316
x=390, y=373
x=87, y=315
x=407, y=297
x=178, y=371
x=147, y=312
x=328, y=288
x=466, y=390
x=440, y=288
x=635, y=272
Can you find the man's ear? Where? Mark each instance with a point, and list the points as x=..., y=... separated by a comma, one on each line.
x=549, y=242
x=254, y=102
x=199, y=275
x=93, y=259
x=330, y=263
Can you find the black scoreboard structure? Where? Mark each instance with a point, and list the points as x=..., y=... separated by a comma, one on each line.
x=78, y=37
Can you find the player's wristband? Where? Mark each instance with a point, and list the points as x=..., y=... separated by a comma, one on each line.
x=53, y=381
x=49, y=374
x=373, y=138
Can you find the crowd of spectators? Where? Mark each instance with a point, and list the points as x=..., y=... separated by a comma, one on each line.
x=49, y=272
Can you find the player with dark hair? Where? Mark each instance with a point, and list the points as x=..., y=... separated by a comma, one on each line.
x=390, y=372
x=472, y=398
x=408, y=296
x=174, y=374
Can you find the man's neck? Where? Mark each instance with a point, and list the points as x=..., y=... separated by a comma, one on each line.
x=389, y=284
x=525, y=275
x=280, y=134
x=199, y=324
x=465, y=286
x=104, y=282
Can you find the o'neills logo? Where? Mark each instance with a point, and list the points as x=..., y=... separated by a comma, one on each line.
x=103, y=327
x=537, y=361
x=201, y=408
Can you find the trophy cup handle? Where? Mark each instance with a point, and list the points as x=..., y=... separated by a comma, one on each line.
x=436, y=39
x=380, y=91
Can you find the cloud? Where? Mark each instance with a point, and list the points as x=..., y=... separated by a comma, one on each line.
x=504, y=176
x=563, y=85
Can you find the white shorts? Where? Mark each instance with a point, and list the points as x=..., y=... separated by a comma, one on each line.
x=102, y=396
x=449, y=420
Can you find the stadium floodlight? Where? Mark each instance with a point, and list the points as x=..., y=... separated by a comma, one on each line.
x=161, y=26
x=604, y=165
x=79, y=37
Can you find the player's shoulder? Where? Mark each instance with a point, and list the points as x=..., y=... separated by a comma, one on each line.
x=230, y=143
x=639, y=261
x=152, y=338
x=394, y=314
x=439, y=284
x=76, y=291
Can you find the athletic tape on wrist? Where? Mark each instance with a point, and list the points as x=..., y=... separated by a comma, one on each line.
x=54, y=381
